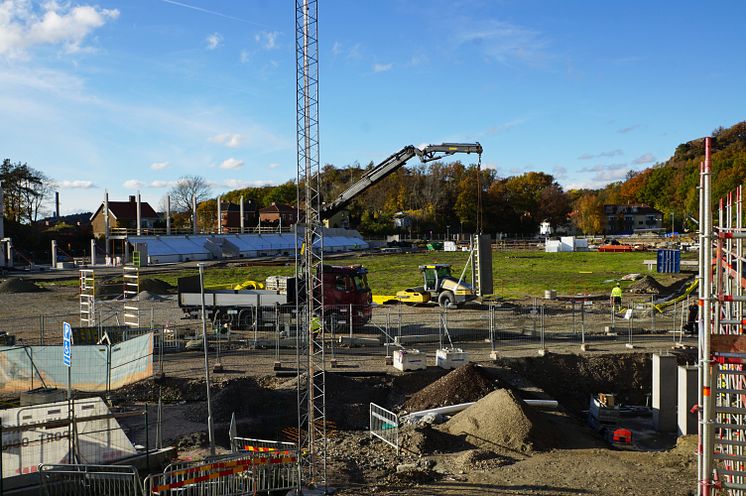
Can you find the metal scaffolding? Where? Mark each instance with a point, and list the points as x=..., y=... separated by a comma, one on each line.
x=722, y=350
x=131, y=293
x=311, y=360
x=87, y=298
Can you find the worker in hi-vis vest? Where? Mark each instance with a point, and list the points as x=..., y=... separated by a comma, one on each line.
x=616, y=298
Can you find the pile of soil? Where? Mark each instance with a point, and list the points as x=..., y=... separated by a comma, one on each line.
x=155, y=286
x=149, y=296
x=425, y=440
x=478, y=459
x=646, y=285
x=16, y=285
x=501, y=421
x=462, y=385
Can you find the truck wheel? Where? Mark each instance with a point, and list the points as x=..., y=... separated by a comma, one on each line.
x=245, y=318
x=333, y=322
x=446, y=299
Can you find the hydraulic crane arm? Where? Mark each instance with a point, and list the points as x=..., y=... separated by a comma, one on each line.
x=391, y=164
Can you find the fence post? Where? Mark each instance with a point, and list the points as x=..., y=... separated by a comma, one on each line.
x=543, y=349
x=41, y=330
x=147, y=440
x=629, y=333
x=1, y=458
x=652, y=312
x=350, y=323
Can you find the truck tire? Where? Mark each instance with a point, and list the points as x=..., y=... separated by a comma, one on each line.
x=245, y=318
x=446, y=299
x=334, y=322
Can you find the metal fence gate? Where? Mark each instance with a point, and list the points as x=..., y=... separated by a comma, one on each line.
x=89, y=480
x=384, y=425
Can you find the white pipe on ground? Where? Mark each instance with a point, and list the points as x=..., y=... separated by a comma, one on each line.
x=450, y=409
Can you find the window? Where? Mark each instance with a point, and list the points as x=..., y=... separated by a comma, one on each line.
x=341, y=284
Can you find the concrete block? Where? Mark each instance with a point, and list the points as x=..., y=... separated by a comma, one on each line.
x=664, y=392
x=687, y=398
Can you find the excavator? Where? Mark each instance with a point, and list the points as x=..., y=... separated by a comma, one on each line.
x=379, y=172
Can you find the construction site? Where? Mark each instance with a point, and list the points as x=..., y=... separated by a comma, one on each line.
x=317, y=366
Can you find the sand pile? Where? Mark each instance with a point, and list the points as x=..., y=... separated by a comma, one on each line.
x=646, y=285
x=16, y=285
x=149, y=296
x=502, y=420
x=155, y=286
x=464, y=384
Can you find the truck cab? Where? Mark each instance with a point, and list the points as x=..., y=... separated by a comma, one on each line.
x=347, y=287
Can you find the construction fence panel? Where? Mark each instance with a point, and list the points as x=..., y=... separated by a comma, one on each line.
x=384, y=425
x=89, y=480
x=236, y=474
x=94, y=367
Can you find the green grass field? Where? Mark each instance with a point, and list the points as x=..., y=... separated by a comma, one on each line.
x=517, y=274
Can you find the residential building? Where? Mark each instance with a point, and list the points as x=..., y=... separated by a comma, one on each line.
x=277, y=214
x=231, y=214
x=626, y=219
x=123, y=214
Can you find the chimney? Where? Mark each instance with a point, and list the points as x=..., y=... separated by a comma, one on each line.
x=133, y=198
x=56, y=204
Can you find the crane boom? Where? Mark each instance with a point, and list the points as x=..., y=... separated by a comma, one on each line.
x=391, y=164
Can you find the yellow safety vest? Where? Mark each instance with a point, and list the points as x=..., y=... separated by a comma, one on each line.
x=616, y=292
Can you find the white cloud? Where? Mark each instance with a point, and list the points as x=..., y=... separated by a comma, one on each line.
x=213, y=41
x=75, y=184
x=243, y=183
x=352, y=52
x=610, y=153
x=267, y=39
x=132, y=184
x=382, y=67
x=647, y=158
x=336, y=48
x=22, y=26
x=245, y=56
x=499, y=40
x=162, y=184
x=274, y=166
x=231, y=163
x=159, y=165
x=229, y=140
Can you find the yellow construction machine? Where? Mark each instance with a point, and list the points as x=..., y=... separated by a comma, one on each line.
x=439, y=285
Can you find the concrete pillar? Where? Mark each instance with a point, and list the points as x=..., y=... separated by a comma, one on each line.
x=54, y=253
x=168, y=215
x=664, y=392
x=139, y=215
x=687, y=398
x=194, y=214
x=220, y=215
x=241, y=214
x=9, y=253
x=93, y=252
x=126, y=252
x=107, y=226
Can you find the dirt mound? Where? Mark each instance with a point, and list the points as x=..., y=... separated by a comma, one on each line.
x=502, y=420
x=155, y=286
x=467, y=383
x=425, y=440
x=478, y=459
x=646, y=285
x=16, y=285
x=148, y=296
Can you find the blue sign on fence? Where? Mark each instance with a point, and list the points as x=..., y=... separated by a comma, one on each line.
x=67, y=344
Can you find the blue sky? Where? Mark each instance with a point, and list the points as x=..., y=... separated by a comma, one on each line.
x=129, y=95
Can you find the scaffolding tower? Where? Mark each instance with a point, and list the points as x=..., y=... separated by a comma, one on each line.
x=311, y=360
x=87, y=298
x=722, y=345
x=131, y=294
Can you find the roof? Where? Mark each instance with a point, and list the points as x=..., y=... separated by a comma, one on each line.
x=277, y=207
x=127, y=210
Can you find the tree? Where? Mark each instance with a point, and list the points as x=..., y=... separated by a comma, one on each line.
x=588, y=214
x=186, y=188
x=25, y=191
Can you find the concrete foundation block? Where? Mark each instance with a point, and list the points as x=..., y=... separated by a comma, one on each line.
x=665, y=392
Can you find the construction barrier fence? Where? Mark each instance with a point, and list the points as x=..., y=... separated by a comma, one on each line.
x=384, y=425
x=94, y=368
x=89, y=480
